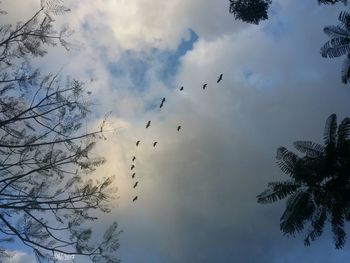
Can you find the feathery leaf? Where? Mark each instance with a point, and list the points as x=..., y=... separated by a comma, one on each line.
x=277, y=191
x=344, y=131
x=330, y=130
x=299, y=208
x=311, y=149
x=345, y=71
x=286, y=160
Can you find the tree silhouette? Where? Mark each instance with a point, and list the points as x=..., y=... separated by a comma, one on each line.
x=46, y=194
x=250, y=11
x=332, y=2
x=318, y=189
x=339, y=44
x=254, y=11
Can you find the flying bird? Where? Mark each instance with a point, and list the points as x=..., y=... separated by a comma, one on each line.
x=132, y=167
x=178, y=127
x=182, y=88
x=89, y=92
x=154, y=144
x=162, y=103
x=137, y=143
x=135, y=184
x=148, y=124
x=135, y=198
x=133, y=175
x=133, y=158
x=219, y=79
x=205, y=85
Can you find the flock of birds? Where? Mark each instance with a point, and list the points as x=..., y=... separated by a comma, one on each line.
x=148, y=124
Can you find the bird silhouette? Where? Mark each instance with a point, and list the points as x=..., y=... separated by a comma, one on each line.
x=132, y=167
x=148, y=124
x=133, y=175
x=205, y=85
x=219, y=79
x=178, y=127
x=133, y=158
x=135, y=184
x=162, y=103
x=135, y=198
x=137, y=143
x=154, y=144
x=182, y=88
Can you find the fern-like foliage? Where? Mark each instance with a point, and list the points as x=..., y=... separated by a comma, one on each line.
x=319, y=184
x=317, y=224
x=286, y=160
x=337, y=222
x=345, y=70
x=299, y=209
x=336, y=31
x=311, y=149
x=339, y=44
x=344, y=131
x=330, y=130
x=277, y=191
x=336, y=47
x=344, y=18
x=332, y=2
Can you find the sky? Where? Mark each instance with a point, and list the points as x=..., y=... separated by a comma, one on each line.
x=197, y=188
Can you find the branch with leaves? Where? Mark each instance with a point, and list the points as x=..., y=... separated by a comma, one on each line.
x=46, y=193
x=319, y=187
x=255, y=11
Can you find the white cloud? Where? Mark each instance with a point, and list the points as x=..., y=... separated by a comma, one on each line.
x=20, y=257
x=143, y=24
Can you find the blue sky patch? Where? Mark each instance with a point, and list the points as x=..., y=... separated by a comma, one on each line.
x=137, y=65
x=172, y=59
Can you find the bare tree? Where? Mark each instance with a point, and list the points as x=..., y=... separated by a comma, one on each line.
x=46, y=193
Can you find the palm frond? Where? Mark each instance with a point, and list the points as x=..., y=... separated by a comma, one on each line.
x=332, y=2
x=336, y=31
x=317, y=225
x=310, y=166
x=345, y=71
x=344, y=18
x=339, y=234
x=344, y=131
x=311, y=149
x=286, y=160
x=347, y=213
x=336, y=47
x=299, y=209
x=277, y=191
x=330, y=130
